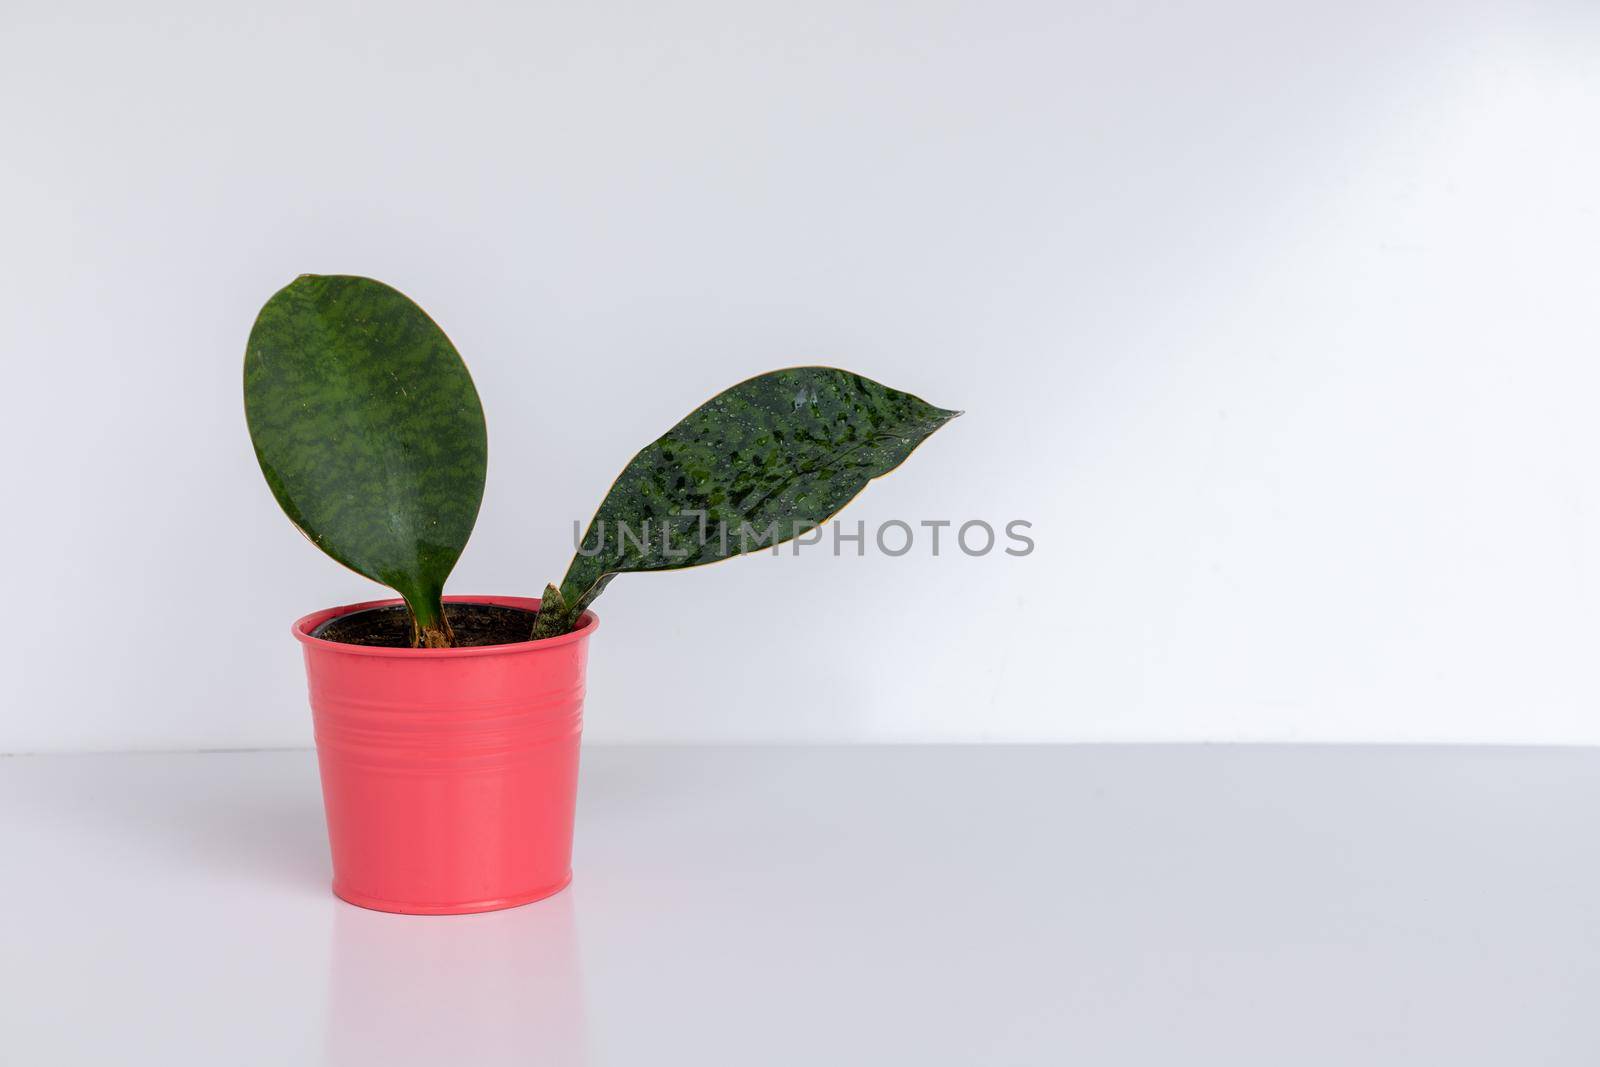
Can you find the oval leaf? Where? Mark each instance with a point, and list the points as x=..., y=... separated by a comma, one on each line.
x=755, y=466
x=369, y=431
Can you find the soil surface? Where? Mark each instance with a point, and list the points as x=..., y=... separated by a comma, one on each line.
x=473, y=625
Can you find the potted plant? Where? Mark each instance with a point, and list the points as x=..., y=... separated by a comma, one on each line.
x=447, y=728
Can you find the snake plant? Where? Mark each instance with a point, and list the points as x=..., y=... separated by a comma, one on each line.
x=371, y=437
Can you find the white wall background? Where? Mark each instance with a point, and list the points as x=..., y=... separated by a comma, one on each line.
x=1279, y=322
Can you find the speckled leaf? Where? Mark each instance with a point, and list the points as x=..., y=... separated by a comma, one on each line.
x=369, y=432
x=553, y=618
x=755, y=466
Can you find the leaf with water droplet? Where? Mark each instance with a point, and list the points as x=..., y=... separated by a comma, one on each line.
x=756, y=465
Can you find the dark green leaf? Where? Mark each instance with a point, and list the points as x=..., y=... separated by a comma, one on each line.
x=552, y=618
x=755, y=466
x=369, y=432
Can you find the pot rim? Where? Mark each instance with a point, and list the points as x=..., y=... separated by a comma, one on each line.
x=303, y=626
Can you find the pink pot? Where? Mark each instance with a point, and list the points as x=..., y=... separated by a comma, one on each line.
x=449, y=776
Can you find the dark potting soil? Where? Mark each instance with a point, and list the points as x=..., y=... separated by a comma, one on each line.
x=472, y=624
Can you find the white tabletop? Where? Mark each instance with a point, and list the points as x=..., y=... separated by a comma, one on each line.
x=824, y=906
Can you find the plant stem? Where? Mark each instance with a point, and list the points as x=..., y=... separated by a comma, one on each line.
x=430, y=628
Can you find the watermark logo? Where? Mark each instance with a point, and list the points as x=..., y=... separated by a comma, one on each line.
x=692, y=533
